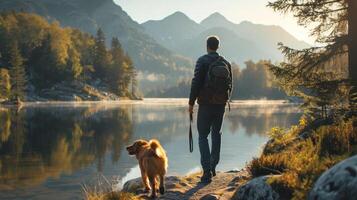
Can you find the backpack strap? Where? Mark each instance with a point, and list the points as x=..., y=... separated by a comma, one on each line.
x=230, y=91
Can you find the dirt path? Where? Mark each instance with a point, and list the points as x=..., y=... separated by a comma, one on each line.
x=188, y=188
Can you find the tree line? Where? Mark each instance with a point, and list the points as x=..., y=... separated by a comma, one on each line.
x=39, y=54
x=255, y=81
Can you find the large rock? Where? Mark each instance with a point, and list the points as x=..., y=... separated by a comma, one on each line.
x=133, y=185
x=74, y=91
x=136, y=186
x=256, y=189
x=210, y=197
x=339, y=182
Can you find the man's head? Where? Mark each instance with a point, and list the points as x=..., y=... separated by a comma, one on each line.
x=212, y=43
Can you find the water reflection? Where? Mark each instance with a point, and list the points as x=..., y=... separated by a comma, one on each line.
x=49, y=149
x=37, y=144
x=259, y=119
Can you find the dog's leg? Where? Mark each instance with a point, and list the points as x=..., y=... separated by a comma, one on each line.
x=146, y=183
x=157, y=183
x=162, y=184
x=144, y=178
x=153, y=186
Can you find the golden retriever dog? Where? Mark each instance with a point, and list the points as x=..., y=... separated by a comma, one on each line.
x=153, y=164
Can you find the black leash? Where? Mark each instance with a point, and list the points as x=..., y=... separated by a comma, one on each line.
x=190, y=134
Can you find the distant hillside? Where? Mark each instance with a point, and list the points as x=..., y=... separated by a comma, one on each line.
x=173, y=29
x=152, y=59
x=233, y=47
x=265, y=36
x=240, y=42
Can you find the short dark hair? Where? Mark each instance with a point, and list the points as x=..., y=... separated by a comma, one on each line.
x=213, y=42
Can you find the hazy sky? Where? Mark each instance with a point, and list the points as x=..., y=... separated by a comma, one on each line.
x=234, y=10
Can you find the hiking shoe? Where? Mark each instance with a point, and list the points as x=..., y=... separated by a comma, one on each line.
x=206, y=177
x=213, y=172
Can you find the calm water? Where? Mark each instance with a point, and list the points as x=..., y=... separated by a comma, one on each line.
x=50, y=151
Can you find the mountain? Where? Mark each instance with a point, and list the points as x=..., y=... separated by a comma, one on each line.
x=216, y=20
x=152, y=59
x=233, y=47
x=240, y=42
x=265, y=36
x=177, y=27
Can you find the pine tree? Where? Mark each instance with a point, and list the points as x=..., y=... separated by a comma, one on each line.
x=101, y=56
x=5, y=85
x=17, y=74
x=74, y=66
x=320, y=74
x=117, y=72
x=43, y=64
x=134, y=84
x=130, y=73
x=117, y=51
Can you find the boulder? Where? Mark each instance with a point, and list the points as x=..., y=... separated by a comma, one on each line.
x=133, y=185
x=210, y=197
x=136, y=186
x=256, y=189
x=339, y=182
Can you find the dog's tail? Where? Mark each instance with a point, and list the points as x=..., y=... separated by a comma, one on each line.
x=155, y=146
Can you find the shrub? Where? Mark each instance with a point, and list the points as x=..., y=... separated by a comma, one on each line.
x=267, y=164
x=281, y=139
x=337, y=139
x=301, y=162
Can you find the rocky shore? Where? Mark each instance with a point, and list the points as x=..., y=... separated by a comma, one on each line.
x=339, y=182
x=223, y=186
x=70, y=91
x=315, y=162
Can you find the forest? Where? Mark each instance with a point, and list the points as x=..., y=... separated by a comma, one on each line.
x=37, y=55
x=255, y=81
x=39, y=58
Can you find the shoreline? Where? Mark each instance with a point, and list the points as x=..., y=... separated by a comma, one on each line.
x=149, y=101
x=274, y=174
x=223, y=186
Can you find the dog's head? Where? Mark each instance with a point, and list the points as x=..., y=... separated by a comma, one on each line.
x=136, y=147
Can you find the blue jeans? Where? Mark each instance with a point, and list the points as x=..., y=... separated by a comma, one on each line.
x=210, y=119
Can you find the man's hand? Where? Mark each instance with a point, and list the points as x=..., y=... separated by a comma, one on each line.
x=190, y=109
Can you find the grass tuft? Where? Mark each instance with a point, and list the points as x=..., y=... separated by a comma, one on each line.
x=300, y=162
x=104, y=190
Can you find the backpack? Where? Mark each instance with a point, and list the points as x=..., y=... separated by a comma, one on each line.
x=219, y=79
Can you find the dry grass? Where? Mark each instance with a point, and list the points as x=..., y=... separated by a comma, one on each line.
x=110, y=196
x=104, y=190
x=301, y=162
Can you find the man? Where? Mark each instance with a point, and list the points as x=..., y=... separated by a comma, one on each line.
x=211, y=86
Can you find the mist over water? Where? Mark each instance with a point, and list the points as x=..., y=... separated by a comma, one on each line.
x=51, y=149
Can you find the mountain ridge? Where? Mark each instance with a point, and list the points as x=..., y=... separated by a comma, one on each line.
x=264, y=37
x=172, y=34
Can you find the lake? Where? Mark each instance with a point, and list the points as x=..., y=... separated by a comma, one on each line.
x=49, y=151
